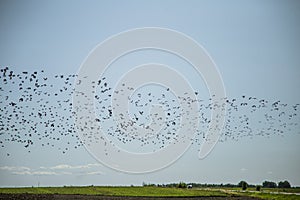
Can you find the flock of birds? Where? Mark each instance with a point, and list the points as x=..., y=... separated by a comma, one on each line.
x=37, y=111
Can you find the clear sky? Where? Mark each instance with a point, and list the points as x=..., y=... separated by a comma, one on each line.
x=255, y=45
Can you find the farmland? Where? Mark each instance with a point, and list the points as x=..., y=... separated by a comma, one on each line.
x=105, y=192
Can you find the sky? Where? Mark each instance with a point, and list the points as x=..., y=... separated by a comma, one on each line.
x=254, y=44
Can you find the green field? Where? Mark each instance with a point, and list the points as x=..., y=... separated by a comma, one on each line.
x=274, y=196
x=155, y=192
x=115, y=191
x=265, y=193
x=290, y=190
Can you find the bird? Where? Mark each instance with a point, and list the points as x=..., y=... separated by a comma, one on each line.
x=41, y=113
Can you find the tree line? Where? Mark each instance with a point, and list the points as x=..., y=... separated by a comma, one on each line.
x=265, y=184
x=242, y=184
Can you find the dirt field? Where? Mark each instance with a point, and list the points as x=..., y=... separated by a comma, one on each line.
x=97, y=197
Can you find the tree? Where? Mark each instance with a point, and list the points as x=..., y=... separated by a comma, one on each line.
x=243, y=185
x=258, y=187
x=284, y=184
x=269, y=184
x=181, y=185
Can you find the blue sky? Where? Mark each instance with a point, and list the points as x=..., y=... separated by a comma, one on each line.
x=255, y=45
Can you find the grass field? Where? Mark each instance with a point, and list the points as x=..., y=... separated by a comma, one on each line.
x=274, y=196
x=115, y=191
x=265, y=193
x=290, y=190
x=156, y=192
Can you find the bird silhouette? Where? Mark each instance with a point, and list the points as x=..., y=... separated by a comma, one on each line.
x=37, y=109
